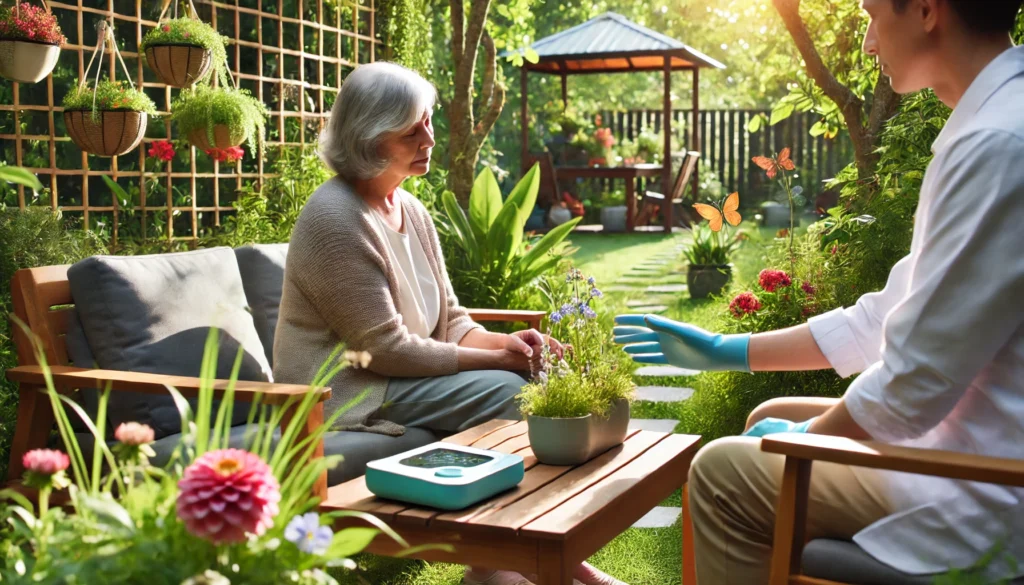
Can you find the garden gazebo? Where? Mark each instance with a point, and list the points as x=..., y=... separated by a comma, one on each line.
x=611, y=43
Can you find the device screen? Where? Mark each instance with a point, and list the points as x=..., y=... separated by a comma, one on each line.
x=445, y=458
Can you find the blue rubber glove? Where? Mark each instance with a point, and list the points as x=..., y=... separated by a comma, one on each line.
x=777, y=425
x=652, y=339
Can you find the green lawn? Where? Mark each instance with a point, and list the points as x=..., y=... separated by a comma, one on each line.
x=638, y=556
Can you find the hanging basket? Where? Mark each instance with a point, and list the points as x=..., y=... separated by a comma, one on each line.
x=110, y=133
x=179, y=65
x=222, y=138
x=27, y=61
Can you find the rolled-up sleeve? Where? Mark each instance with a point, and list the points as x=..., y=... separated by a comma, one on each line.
x=962, y=303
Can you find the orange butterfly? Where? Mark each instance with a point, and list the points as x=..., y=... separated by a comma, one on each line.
x=728, y=212
x=773, y=165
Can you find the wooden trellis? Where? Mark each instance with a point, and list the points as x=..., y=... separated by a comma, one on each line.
x=291, y=54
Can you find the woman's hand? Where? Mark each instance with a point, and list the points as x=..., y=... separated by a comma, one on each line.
x=536, y=340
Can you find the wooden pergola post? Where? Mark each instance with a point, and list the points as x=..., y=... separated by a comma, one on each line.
x=666, y=126
x=565, y=91
x=524, y=136
x=695, y=137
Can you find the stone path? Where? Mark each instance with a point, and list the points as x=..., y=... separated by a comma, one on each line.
x=663, y=393
x=660, y=425
x=660, y=517
x=663, y=371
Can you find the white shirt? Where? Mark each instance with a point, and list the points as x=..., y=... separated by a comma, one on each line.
x=419, y=301
x=941, y=347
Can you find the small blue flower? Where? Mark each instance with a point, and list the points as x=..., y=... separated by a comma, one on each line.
x=307, y=534
x=587, y=311
x=555, y=317
x=591, y=281
x=594, y=292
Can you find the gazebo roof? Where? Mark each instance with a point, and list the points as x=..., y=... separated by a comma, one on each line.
x=611, y=43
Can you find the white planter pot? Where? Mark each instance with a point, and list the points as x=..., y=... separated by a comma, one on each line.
x=614, y=218
x=559, y=215
x=27, y=61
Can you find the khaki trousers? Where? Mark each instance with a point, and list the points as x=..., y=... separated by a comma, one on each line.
x=733, y=489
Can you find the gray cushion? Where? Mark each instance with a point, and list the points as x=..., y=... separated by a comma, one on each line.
x=153, y=314
x=262, y=268
x=845, y=562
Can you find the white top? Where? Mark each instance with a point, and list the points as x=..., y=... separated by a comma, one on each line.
x=941, y=347
x=419, y=301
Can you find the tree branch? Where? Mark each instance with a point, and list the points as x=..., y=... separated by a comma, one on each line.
x=493, y=92
x=487, y=88
x=477, y=18
x=458, y=31
x=883, y=107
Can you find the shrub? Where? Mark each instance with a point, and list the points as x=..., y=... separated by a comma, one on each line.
x=27, y=22
x=710, y=248
x=108, y=95
x=35, y=236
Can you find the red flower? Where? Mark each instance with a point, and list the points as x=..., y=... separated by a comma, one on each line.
x=45, y=461
x=604, y=137
x=809, y=289
x=597, y=120
x=226, y=155
x=772, y=280
x=34, y=23
x=166, y=28
x=744, y=304
x=162, y=149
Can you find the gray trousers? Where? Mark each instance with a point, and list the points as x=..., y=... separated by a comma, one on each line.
x=450, y=404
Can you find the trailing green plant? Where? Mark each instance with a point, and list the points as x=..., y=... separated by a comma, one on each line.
x=493, y=259
x=710, y=248
x=590, y=376
x=203, y=107
x=108, y=95
x=189, y=31
x=30, y=237
x=212, y=510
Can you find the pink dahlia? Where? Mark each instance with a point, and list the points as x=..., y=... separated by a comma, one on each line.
x=772, y=280
x=809, y=289
x=744, y=304
x=45, y=461
x=133, y=433
x=227, y=493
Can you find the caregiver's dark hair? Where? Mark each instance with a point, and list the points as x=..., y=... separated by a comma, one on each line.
x=983, y=18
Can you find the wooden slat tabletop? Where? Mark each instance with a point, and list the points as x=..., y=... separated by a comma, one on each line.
x=552, y=502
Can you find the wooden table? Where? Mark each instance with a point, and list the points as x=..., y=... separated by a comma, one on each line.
x=629, y=173
x=557, y=517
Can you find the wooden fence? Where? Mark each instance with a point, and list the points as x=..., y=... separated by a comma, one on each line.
x=728, y=146
x=291, y=54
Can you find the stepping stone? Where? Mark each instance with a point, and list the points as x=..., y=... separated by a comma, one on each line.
x=649, y=269
x=660, y=517
x=663, y=393
x=658, y=425
x=649, y=308
x=624, y=288
x=664, y=371
x=667, y=288
x=638, y=303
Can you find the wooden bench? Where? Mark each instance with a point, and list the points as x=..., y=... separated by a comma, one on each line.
x=43, y=302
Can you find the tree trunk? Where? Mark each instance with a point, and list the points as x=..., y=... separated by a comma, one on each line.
x=466, y=134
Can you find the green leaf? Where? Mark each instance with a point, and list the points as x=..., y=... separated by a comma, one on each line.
x=21, y=176
x=754, y=125
x=524, y=194
x=464, y=234
x=819, y=128
x=119, y=192
x=780, y=112
x=108, y=511
x=484, y=203
x=538, y=253
x=504, y=238
x=350, y=541
x=532, y=55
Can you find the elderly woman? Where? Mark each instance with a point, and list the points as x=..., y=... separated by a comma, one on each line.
x=365, y=269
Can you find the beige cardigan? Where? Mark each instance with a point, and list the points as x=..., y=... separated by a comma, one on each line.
x=340, y=288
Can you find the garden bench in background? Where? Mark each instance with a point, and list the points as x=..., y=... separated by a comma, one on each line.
x=135, y=295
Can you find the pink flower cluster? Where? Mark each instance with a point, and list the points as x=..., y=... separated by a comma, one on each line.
x=772, y=280
x=30, y=23
x=133, y=433
x=45, y=461
x=163, y=150
x=744, y=304
x=227, y=155
x=226, y=494
x=604, y=137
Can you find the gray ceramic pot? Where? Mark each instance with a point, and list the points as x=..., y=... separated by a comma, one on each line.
x=705, y=280
x=613, y=218
x=573, y=441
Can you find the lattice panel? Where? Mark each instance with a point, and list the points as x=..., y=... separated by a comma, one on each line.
x=291, y=54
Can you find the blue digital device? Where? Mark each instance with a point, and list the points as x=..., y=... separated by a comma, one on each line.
x=443, y=475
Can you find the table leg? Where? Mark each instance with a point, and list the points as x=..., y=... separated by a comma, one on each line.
x=554, y=567
x=689, y=566
x=630, y=202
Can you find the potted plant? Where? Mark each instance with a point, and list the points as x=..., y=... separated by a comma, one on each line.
x=215, y=119
x=109, y=119
x=708, y=256
x=30, y=42
x=578, y=405
x=613, y=211
x=183, y=51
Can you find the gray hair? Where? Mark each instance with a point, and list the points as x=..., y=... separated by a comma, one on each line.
x=376, y=99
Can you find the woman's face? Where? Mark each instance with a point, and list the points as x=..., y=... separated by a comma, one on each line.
x=409, y=150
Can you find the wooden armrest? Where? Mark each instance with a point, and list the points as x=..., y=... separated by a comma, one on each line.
x=69, y=377
x=907, y=459
x=533, y=318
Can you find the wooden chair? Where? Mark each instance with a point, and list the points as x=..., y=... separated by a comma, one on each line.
x=653, y=201
x=549, y=192
x=42, y=300
x=841, y=559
